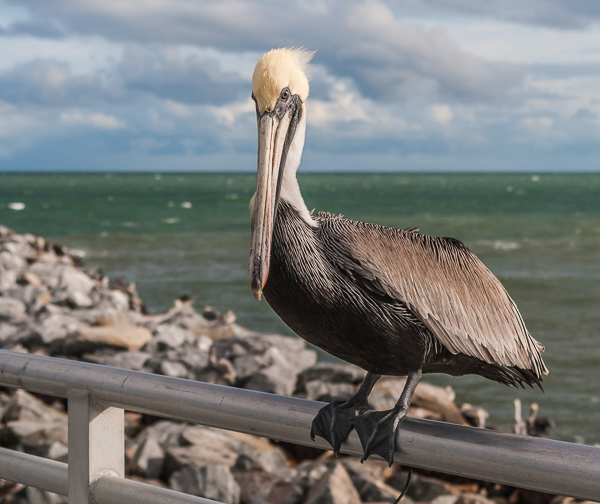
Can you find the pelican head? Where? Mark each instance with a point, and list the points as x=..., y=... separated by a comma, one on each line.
x=279, y=89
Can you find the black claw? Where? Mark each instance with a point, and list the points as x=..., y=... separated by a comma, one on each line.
x=334, y=422
x=321, y=424
x=377, y=432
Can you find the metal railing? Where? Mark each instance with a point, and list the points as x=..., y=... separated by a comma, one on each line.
x=98, y=396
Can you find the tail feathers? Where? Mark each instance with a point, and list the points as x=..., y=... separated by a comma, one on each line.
x=515, y=377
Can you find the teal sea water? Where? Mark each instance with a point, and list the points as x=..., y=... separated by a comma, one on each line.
x=189, y=234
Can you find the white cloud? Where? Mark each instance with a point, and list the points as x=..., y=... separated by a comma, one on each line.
x=83, y=54
x=535, y=124
x=498, y=40
x=96, y=120
x=173, y=76
x=344, y=105
x=442, y=114
x=228, y=115
x=177, y=109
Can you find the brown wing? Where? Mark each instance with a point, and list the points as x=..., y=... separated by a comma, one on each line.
x=443, y=283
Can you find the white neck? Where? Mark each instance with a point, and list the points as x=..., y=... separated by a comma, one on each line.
x=290, y=190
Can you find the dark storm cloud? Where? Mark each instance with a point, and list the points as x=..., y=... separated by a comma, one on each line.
x=158, y=72
x=38, y=28
x=163, y=73
x=52, y=83
x=388, y=60
x=392, y=61
x=571, y=14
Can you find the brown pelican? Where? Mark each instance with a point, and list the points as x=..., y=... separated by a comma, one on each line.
x=394, y=302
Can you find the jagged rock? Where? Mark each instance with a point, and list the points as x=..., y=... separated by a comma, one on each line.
x=204, y=445
x=328, y=392
x=12, y=310
x=171, y=336
x=367, y=479
x=148, y=459
x=10, y=333
x=334, y=487
x=32, y=278
x=37, y=437
x=259, y=487
x=8, y=489
x=306, y=473
x=445, y=499
x=329, y=382
x=5, y=400
x=128, y=360
x=221, y=332
x=257, y=344
x=88, y=339
x=270, y=457
x=254, y=485
x=196, y=359
x=133, y=424
x=472, y=498
x=275, y=379
x=225, y=370
x=174, y=369
x=57, y=327
x=24, y=406
x=40, y=429
x=213, y=482
x=113, y=301
x=11, y=262
x=57, y=451
x=422, y=488
x=73, y=286
x=27, y=294
x=247, y=365
x=181, y=456
x=164, y=432
x=281, y=492
x=298, y=360
x=280, y=376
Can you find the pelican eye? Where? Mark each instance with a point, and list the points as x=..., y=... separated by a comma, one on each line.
x=285, y=94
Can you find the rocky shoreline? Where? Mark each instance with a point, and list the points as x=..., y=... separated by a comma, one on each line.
x=51, y=305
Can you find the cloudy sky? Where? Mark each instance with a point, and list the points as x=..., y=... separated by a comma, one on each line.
x=414, y=85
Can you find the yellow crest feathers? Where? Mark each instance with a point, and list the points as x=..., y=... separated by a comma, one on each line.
x=277, y=69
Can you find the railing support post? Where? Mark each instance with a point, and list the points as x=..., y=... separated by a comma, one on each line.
x=96, y=444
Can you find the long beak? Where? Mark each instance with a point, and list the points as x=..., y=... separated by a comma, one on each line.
x=272, y=133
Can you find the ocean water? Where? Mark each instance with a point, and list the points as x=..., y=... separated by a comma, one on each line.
x=189, y=234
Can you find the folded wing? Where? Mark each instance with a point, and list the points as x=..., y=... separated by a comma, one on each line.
x=442, y=282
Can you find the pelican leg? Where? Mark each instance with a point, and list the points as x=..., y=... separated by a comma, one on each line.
x=334, y=421
x=377, y=430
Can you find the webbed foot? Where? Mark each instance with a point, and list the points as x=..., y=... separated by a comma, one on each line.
x=334, y=422
x=377, y=432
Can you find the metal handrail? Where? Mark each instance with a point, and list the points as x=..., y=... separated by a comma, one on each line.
x=533, y=463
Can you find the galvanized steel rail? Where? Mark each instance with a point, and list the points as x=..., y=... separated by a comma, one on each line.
x=100, y=394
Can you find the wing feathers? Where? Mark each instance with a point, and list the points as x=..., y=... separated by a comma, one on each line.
x=443, y=283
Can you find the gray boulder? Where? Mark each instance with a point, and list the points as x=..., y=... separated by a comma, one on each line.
x=148, y=459
x=422, y=488
x=367, y=479
x=171, y=336
x=174, y=369
x=214, y=481
x=334, y=487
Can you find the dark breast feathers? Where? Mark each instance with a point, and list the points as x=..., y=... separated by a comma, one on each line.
x=429, y=294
